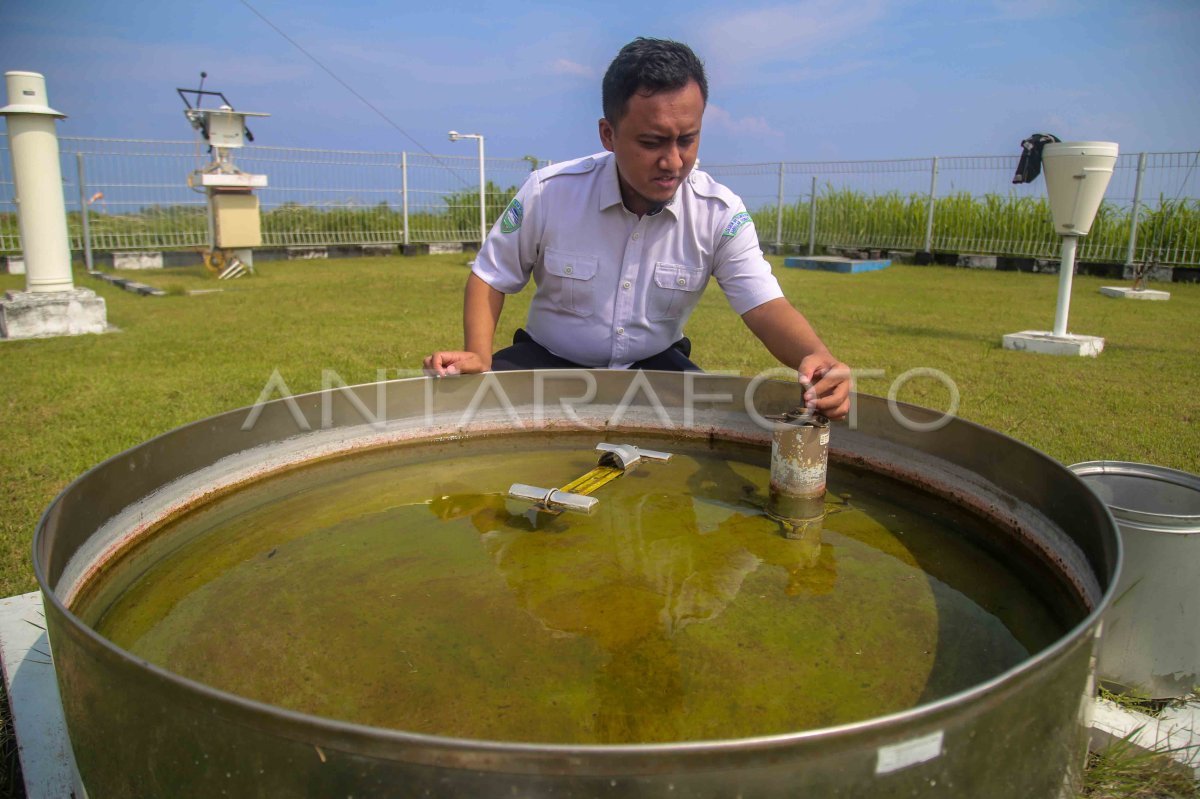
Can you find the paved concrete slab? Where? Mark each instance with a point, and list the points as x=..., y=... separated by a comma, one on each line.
x=1174, y=732
x=47, y=762
x=833, y=263
x=1047, y=343
x=1134, y=294
x=129, y=285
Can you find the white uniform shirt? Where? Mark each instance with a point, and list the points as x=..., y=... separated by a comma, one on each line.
x=613, y=289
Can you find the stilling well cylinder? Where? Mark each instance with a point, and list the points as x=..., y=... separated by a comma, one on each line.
x=799, y=465
x=37, y=181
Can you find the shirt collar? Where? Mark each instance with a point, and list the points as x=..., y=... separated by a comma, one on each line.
x=610, y=188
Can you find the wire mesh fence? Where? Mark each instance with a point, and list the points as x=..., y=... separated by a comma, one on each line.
x=137, y=197
x=1151, y=212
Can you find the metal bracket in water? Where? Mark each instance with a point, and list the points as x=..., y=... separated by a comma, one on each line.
x=615, y=460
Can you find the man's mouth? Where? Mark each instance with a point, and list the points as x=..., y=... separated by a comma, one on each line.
x=666, y=181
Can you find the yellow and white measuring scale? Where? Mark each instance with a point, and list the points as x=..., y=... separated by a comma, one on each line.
x=615, y=460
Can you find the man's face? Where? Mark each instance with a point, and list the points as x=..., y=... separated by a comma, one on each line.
x=655, y=144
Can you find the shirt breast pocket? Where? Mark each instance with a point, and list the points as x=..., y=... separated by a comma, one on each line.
x=674, y=292
x=569, y=281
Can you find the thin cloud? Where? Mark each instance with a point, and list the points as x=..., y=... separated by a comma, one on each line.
x=744, y=126
x=564, y=67
x=1033, y=9
x=825, y=72
x=122, y=61
x=790, y=33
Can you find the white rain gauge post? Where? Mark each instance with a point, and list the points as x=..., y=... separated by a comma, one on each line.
x=1077, y=173
x=234, y=225
x=51, y=305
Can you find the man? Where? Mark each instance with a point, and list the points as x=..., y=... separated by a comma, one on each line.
x=621, y=245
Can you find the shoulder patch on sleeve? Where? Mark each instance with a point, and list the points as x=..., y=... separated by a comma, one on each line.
x=735, y=225
x=510, y=220
x=704, y=185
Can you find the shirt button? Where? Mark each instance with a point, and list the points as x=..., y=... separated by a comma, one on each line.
x=568, y=269
x=681, y=281
x=626, y=284
x=620, y=331
x=635, y=235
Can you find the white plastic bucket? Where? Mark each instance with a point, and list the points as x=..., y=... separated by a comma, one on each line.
x=1077, y=173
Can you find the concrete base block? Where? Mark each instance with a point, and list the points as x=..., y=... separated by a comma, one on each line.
x=977, y=261
x=16, y=264
x=137, y=260
x=900, y=255
x=434, y=248
x=1134, y=294
x=1049, y=344
x=1164, y=274
x=1045, y=266
x=829, y=263
x=306, y=253
x=39, y=314
x=378, y=249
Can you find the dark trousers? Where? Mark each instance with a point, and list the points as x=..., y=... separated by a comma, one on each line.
x=525, y=353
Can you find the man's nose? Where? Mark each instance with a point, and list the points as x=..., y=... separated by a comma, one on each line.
x=672, y=159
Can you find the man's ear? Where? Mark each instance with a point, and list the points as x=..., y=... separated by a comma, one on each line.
x=607, y=134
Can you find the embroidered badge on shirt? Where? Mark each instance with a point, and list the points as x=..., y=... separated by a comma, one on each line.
x=738, y=222
x=510, y=220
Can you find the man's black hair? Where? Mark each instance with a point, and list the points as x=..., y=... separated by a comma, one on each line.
x=649, y=66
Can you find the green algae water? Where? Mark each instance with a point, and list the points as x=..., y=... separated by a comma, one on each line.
x=401, y=589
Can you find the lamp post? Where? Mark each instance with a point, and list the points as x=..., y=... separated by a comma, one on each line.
x=456, y=136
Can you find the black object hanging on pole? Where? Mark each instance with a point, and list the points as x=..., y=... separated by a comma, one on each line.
x=1030, y=165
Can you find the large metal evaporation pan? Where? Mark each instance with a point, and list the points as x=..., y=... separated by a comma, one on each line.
x=138, y=730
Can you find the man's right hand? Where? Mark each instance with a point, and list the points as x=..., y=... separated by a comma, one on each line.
x=441, y=364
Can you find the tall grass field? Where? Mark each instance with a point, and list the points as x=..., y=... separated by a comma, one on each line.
x=1168, y=229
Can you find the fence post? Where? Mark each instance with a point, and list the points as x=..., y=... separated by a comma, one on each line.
x=932, y=201
x=1137, y=201
x=779, y=214
x=404, y=192
x=812, y=217
x=83, y=214
x=482, y=197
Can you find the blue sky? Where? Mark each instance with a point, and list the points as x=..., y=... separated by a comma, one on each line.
x=809, y=80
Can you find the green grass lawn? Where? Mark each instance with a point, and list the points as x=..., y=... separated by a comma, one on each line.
x=68, y=403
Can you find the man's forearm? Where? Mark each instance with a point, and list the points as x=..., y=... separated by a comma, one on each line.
x=784, y=331
x=481, y=312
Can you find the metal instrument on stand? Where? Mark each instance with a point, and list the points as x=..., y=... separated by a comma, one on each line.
x=234, y=226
